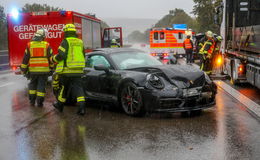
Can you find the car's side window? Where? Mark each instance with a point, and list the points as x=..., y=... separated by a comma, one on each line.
x=97, y=60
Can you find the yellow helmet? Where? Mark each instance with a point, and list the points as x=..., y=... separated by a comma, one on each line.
x=219, y=38
x=69, y=27
x=209, y=34
x=113, y=41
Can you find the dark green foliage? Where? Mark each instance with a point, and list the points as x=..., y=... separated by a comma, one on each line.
x=3, y=29
x=39, y=7
x=177, y=16
x=204, y=10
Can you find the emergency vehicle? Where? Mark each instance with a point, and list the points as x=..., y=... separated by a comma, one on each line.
x=168, y=41
x=22, y=26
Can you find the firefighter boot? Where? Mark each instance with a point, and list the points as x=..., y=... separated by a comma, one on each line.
x=59, y=106
x=40, y=101
x=82, y=109
x=32, y=99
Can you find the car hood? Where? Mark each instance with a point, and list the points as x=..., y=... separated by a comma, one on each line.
x=183, y=76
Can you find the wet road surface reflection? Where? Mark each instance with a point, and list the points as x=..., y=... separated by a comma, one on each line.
x=226, y=131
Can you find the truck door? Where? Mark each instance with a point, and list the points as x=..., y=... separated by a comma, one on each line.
x=112, y=33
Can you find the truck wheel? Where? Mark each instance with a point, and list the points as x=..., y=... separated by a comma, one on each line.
x=233, y=73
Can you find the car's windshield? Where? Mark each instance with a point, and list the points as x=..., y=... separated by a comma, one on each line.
x=129, y=60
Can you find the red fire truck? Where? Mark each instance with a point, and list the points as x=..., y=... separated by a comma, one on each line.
x=166, y=41
x=22, y=26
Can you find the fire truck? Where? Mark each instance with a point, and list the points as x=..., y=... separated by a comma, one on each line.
x=168, y=41
x=22, y=26
x=240, y=29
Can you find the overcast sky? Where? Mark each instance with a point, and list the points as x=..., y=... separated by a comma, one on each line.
x=154, y=9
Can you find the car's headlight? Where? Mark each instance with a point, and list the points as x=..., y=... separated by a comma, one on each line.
x=155, y=81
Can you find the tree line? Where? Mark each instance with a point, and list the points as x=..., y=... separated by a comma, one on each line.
x=203, y=10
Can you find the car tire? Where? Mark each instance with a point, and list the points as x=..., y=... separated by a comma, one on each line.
x=131, y=100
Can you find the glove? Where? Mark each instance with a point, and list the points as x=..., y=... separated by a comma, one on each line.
x=208, y=56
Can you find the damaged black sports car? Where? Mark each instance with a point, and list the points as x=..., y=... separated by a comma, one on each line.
x=140, y=83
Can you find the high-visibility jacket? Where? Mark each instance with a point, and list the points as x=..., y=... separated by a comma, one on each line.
x=114, y=45
x=36, y=58
x=75, y=60
x=208, y=47
x=187, y=44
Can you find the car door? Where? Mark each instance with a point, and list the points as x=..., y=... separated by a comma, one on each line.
x=99, y=84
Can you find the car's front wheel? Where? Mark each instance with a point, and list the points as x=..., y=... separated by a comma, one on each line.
x=131, y=100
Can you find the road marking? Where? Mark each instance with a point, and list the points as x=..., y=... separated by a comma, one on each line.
x=5, y=64
x=251, y=105
x=5, y=55
x=7, y=84
x=3, y=51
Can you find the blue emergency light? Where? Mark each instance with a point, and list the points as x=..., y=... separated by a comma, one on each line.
x=180, y=26
x=63, y=13
x=15, y=13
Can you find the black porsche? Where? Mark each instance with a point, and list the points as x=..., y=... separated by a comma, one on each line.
x=140, y=83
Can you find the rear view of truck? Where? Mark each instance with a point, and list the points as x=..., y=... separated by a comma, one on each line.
x=240, y=29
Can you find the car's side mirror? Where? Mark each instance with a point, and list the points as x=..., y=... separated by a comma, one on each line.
x=101, y=68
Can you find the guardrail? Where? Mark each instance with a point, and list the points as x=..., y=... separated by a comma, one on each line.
x=4, y=60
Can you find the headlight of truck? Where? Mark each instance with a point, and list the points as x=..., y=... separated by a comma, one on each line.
x=155, y=81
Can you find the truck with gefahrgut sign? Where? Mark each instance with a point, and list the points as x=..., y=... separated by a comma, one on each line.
x=22, y=26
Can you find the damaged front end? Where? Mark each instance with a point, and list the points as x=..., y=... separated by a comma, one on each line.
x=177, y=92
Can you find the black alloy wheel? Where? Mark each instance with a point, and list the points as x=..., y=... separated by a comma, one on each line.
x=131, y=100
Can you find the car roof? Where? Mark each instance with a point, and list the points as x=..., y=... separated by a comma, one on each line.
x=115, y=50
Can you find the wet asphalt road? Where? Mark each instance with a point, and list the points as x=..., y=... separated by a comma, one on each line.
x=225, y=132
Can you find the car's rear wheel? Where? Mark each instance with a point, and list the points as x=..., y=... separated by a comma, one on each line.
x=131, y=100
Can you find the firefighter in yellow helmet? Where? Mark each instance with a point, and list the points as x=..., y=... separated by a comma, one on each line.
x=71, y=62
x=36, y=66
x=114, y=44
x=206, y=52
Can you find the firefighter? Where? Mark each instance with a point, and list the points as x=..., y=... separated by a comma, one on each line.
x=206, y=52
x=114, y=44
x=188, y=47
x=71, y=62
x=36, y=66
x=217, y=40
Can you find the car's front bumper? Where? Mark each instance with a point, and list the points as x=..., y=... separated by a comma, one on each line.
x=164, y=102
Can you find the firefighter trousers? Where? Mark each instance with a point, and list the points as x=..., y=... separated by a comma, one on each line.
x=206, y=64
x=189, y=56
x=71, y=86
x=37, y=87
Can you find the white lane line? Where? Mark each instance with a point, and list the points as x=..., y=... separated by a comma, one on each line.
x=251, y=105
x=7, y=84
x=5, y=64
x=3, y=50
x=5, y=55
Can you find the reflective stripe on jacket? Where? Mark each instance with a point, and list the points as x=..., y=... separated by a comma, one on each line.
x=38, y=61
x=208, y=47
x=75, y=60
